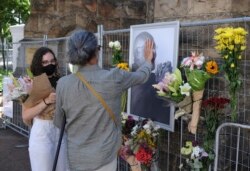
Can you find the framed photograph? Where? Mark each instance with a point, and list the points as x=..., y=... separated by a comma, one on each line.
x=142, y=99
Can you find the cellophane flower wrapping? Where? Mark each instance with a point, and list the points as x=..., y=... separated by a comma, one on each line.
x=173, y=89
x=19, y=89
x=139, y=141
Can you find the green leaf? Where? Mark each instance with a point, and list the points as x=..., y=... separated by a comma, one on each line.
x=29, y=73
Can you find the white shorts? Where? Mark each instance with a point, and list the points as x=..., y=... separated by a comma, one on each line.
x=43, y=144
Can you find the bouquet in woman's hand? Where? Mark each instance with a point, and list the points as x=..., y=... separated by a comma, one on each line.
x=198, y=72
x=139, y=142
x=172, y=88
x=19, y=89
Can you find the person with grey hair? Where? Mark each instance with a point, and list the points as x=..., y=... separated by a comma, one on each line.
x=90, y=100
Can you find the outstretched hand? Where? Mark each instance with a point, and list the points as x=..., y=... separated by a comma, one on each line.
x=149, y=50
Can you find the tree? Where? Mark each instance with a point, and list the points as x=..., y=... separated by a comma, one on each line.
x=12, y=12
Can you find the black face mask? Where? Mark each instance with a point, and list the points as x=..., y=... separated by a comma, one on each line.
x=49, y=69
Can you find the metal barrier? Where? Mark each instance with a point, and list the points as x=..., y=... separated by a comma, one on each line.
x=194, y=36
x=234, y=159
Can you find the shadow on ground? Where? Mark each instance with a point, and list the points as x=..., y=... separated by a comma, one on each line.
x=14, y=154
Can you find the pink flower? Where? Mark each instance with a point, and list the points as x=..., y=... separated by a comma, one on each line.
x=193, y=61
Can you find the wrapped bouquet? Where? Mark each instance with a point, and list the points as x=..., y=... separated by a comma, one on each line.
x=197, y=72
x=172, y=88
x=196, y=157
x=19, y=88
x=139, y=142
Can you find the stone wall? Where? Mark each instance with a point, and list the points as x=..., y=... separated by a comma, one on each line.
x=57, y=18
x=200, y=9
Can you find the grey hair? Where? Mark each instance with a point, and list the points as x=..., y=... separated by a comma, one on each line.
x=82, y=47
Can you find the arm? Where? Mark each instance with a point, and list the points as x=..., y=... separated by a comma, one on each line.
x=30, y=113
x=58, y=117
x=142, y=74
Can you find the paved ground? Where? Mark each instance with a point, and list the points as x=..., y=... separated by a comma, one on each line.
x=13, y=156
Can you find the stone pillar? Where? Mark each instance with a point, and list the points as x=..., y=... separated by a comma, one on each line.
x=17, y=32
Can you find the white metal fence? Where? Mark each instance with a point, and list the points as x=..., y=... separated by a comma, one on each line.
x=194, y=36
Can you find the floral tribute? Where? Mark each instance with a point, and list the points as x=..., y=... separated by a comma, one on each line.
x=19, y=88
x=119, y=63
x=213, y=108
x=197, y=72
x=197, y=159
x=116, y=52
x=139, y=142
x=172, y=88
x=230, y=43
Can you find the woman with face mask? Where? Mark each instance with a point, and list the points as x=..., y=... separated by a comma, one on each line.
x=44, y=135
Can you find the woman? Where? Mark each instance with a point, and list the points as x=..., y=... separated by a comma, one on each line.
x=44, y=135
x=94, y=136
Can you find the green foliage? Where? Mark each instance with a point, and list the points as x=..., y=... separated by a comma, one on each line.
x=12, y=12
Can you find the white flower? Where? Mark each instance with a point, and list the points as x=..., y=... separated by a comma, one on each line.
x=157, y=127
x=124, y=116
x=111, y=44
x=185, y=89
x=146, y=126
x=134, y=130
x=196, y=152
x=181, y=166
x=148, y=131
x=117, y=45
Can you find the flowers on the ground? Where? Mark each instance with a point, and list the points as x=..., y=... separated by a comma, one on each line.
x=116, y=52
x=139, y=140
x=213, y=112
x=173, y=87
x=196, y=158
x=230, y=43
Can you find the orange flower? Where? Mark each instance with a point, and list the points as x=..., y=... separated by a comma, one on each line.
x=212, y=67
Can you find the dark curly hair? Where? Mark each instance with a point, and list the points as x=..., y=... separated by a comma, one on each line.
x=36, y=64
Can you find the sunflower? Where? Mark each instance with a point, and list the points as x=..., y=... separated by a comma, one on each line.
x=212, y=67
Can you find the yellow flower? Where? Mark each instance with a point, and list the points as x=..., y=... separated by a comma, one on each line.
x=239, y=57
x=232, y=65
x=123, y=66
x=231, y=47
x=242, y=47
x=212, y=67
x=226, y=56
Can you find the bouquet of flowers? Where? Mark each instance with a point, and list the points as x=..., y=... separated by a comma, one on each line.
x=173, y=88
x=139, y=142
x=231, y=42
x=119, y=63
x=19, y=89
x=197, y=73
x=213, y=109
x=197, y=159
x=116, y=52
